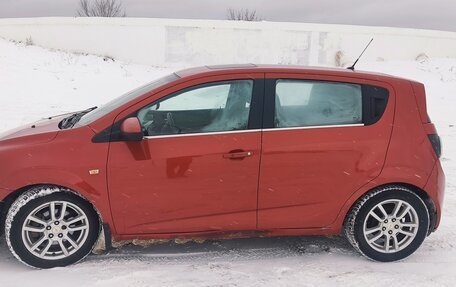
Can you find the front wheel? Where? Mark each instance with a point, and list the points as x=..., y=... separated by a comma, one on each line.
x=48, y=227
x=388, y=224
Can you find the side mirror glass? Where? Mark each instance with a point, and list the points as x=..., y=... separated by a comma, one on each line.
x=131, y=130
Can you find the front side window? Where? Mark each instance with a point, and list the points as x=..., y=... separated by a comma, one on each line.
x=223, y=106
x=317, y=103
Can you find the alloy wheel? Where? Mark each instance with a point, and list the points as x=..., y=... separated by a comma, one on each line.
x=391, y=226
x=55, y=230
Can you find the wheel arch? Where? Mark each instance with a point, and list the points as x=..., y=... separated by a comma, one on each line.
x=11, y=197
x=430, y=205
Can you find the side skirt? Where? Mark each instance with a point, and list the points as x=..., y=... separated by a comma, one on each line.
x=218, y=235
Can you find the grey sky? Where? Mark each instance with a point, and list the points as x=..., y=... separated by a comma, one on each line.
x=426, y=14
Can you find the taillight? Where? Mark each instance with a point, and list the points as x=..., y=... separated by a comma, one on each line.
x=436, y=144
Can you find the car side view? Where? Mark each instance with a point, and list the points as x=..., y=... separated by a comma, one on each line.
x=221, y=152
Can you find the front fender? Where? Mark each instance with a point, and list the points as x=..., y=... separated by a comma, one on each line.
x=94, y=191
x=64, y=161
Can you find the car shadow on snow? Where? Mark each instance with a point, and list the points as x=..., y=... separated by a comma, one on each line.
x=232, y=249
x=229, y=249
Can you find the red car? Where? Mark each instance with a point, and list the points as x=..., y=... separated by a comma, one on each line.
x=225, y=152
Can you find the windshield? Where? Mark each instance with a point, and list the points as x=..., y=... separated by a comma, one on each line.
x=118, y=102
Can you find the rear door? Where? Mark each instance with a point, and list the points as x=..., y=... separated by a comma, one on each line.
x=196, y=169
x=324, y=138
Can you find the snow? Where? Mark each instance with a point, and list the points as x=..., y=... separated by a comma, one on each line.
x=52, y=82
x=36, y=82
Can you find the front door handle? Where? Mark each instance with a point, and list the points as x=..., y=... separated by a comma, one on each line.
x=237, y=154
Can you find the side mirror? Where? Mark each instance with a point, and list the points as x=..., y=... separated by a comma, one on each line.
x=131, y=130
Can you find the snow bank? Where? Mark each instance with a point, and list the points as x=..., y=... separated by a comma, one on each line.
x=35, y=82
x=178, y=43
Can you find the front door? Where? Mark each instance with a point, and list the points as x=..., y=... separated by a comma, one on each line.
x=196, y=169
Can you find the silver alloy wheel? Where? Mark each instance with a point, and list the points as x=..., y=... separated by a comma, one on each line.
x=55, y=230
x=391, y=226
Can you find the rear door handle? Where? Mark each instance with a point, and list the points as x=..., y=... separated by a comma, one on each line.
x=237, y=154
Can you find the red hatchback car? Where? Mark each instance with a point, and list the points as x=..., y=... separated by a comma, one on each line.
x=224, y=152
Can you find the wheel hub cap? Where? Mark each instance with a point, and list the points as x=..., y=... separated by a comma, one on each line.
x=390, y=226
x=55, y=230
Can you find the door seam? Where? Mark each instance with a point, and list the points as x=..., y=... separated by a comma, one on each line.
x=261, y=150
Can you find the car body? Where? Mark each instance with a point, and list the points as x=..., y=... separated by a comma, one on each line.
x=273, y=171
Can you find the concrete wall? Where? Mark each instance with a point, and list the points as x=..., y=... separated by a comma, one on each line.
x=173, y=42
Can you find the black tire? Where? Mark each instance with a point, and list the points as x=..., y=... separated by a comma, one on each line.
x=354, y=223
x=26, y=204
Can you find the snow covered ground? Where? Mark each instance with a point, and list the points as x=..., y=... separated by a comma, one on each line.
x=36, y=82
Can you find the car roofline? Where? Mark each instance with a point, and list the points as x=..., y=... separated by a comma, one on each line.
x=290, y=69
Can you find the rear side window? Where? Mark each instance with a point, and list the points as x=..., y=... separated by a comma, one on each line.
x=315, y=103
x=302, y=103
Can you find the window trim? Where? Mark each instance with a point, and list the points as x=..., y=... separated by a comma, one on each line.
x=314, y=127
x=254, y=130
x=203, y=134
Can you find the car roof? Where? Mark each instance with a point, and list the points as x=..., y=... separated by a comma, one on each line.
x=254, y=68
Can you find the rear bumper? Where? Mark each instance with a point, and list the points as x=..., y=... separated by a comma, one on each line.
x=435, y=187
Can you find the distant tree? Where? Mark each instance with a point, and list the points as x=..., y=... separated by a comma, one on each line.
x=101, y=8
x=242, y=15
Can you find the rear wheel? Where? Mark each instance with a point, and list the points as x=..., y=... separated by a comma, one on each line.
x=388, y=224
x=48, y=227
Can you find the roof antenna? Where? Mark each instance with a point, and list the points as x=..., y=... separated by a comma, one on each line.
x=352, y=67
